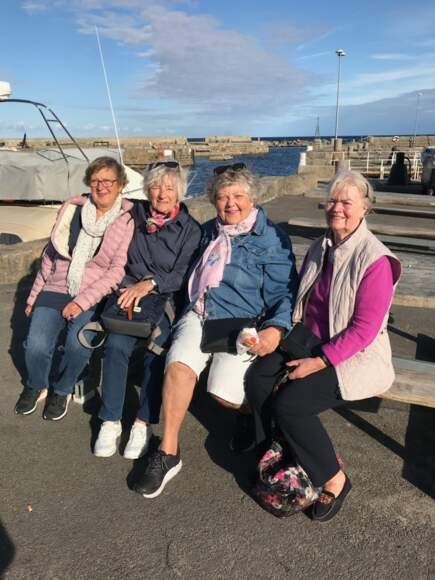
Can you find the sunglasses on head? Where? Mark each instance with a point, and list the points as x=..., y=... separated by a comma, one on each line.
x=234, y=167
x=170, y=164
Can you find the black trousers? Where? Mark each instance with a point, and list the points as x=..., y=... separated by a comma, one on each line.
x=295, y=408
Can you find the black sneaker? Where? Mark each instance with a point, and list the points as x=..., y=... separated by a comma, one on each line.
x=161, y=468
x=244, y=434
x=27, y=401
x=56, y=407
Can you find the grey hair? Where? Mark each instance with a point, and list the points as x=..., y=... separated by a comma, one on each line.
x=344, y=179
x=155, y=175
x=244, y=177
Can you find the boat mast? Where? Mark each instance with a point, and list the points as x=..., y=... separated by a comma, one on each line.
x=109, y=95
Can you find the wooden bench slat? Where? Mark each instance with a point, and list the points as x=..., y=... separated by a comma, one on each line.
x=414, y=384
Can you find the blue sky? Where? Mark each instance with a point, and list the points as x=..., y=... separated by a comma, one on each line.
x=202, y=67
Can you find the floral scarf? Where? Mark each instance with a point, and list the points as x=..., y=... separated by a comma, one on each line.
x=156, y=219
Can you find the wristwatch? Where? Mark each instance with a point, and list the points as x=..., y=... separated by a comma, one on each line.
x=148, y=279
x=325, y=359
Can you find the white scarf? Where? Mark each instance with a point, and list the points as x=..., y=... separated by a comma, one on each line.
x=88, y=241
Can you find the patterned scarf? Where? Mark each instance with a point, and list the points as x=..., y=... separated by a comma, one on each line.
x=210, y=270
x=88, y=241
x=157, y=219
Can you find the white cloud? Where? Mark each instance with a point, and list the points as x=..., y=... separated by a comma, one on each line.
x=392, y=56
x=192, y=60
x=315, y=55
x=34, y=7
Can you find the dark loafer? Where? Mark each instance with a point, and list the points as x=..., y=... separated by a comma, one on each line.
x=327, y=505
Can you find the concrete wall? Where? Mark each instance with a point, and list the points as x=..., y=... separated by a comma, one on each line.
x=21, y=260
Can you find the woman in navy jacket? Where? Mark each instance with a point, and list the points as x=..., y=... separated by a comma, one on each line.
x=164, y=243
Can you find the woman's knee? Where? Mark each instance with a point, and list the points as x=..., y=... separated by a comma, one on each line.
x=38, y=344
x=290, y=402
x=177, y=372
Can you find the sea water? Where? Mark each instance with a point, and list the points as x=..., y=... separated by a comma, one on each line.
x=279, y=161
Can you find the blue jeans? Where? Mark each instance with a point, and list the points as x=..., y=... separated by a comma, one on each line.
x=117, y=352
x=45, y=327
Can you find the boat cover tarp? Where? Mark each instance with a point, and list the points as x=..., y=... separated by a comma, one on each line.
x=44, y=175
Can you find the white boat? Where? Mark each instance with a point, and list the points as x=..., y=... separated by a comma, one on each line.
x=34, y=182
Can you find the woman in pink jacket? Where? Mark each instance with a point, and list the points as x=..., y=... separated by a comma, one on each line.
x=84, y=261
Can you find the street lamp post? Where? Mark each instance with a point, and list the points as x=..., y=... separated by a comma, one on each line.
x=417, y=111
x=340, y=53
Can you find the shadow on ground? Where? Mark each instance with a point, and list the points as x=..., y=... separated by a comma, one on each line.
x=7, y=550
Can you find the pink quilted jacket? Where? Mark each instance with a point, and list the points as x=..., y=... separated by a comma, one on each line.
x=102, y=274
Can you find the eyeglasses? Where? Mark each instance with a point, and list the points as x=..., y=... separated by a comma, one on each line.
x=104, y=182
x=234, y=167
x=170, y=164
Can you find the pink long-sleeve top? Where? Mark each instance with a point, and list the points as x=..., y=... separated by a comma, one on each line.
x=373, y=299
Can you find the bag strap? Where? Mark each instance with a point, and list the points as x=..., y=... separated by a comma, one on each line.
x=96, y=327
x=152, y=346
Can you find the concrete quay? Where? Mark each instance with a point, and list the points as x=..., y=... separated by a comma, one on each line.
x=66, y=514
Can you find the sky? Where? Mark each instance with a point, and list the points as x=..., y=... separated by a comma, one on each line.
x=222, y=67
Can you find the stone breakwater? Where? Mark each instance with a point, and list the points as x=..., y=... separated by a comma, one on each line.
x=22, y=260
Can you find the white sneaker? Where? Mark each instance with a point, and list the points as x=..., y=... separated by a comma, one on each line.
x=137, y=445
x=106, y=443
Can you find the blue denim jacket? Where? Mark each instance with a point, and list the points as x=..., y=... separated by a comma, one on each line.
x=260, y=280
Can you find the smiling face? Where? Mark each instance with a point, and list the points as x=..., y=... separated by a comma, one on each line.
x=344, y=210
x=233, y=204
x=163, y=195
x=104, y=188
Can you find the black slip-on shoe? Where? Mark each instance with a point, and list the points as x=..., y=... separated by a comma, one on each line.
x=327, y=505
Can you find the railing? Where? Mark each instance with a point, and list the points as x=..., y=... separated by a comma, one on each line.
x=372, y=164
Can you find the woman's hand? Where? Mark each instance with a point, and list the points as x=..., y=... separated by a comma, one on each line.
x=28, y=311
x=71, y=311
x=303, y=367
x=134, y=293
x=269, y=340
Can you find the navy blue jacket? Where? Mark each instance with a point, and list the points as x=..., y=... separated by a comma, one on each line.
x=164, y=255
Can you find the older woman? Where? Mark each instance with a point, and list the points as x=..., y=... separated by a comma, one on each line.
x=246, y=271
x=84, y=261
x=164, y=242
x=346, y=289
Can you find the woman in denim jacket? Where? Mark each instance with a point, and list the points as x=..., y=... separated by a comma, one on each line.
x=246, y=270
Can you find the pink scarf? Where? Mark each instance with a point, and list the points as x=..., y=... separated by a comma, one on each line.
x=210, y=270
x=157, y=219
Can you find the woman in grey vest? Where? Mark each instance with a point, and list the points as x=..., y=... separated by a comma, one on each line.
x=346, y=289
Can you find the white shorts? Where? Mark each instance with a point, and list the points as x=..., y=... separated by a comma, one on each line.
x=227, y=371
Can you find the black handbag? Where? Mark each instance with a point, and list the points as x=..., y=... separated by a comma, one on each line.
x=220, y=335
x=137, y=321
x=301, y=342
